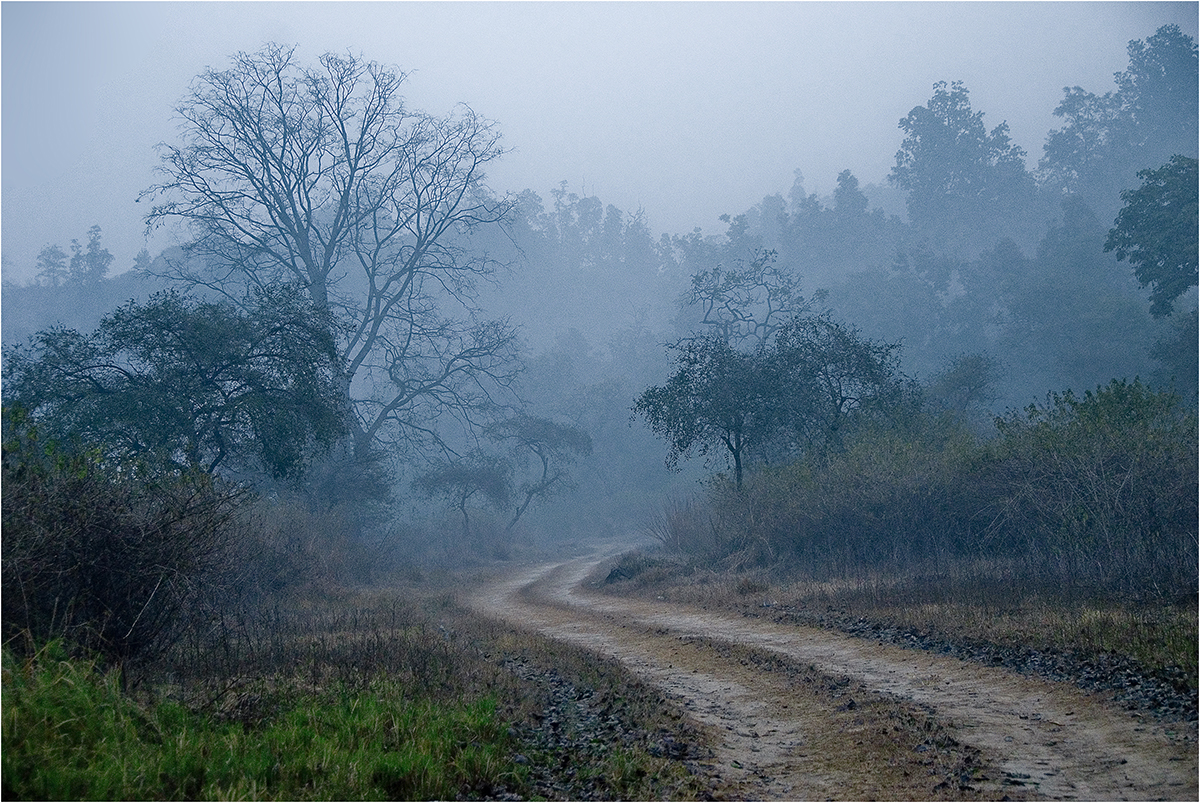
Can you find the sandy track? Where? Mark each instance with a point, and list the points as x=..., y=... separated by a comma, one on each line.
x=1057, y=740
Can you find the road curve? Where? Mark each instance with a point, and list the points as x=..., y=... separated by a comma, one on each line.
x=1059, y=741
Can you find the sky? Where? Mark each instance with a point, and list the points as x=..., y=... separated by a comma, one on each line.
x=685, y=110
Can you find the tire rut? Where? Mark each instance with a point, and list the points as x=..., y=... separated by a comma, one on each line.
x=1046, y=738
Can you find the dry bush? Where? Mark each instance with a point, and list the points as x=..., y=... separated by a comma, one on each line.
x=683, y=528
x=100, y=557
x=1101, y=490
x=289, y=549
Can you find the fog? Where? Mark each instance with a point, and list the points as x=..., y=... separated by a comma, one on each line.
x=686, y=110
x=666, y=174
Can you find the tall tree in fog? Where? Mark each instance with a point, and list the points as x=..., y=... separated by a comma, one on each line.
x=52, y=265
x=86, y=266
x=1106, y=139
x=966, y=185
x=320, y=176
x=89, y=265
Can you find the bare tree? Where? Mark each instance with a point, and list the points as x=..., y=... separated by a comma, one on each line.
x=322, y=177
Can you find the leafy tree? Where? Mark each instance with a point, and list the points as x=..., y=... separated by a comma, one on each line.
x=1151, y=116
x=554, y=446
x=1156, y=231
x=142, y=262
x=828, y=373
x=1160, y=91
x=322, y=177
x=52, y=266
x=798, y=392
x=1089, y=154
x=194, y=384
x=958, y=175
x=718, y=398
x=458, y=481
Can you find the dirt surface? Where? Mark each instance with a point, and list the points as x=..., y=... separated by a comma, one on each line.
x=778, y=740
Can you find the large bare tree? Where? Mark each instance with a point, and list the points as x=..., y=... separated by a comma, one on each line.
x=320, y=176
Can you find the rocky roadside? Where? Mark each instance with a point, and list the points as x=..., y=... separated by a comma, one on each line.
x=570, y=747
x=1163, y=694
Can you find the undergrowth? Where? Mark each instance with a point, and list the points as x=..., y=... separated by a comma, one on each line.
x=70, y=734
x=360, y=697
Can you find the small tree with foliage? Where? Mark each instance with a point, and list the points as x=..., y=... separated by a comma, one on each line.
x=189, y=384
x=458, y=481
x=89, y=265
x=828, y=373
x=717, y=398
x=552, y=446
x=1156, y=231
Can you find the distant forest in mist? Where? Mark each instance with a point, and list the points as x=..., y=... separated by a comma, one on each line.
x=993, y=282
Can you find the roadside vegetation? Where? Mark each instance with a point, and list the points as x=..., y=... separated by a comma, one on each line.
x=858, y=496
x=1070, y=528
x=177, y=638
x=349, y=703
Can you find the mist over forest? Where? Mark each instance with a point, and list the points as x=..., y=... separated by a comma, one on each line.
x=370, y=478
x=356, y=321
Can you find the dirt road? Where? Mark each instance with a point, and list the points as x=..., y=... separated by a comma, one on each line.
x=1048, y=740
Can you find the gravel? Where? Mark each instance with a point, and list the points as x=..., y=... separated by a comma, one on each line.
x=566, y=747
x=1164, y=694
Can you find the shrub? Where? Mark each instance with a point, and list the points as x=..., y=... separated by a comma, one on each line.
x=1098, y=491
x=1102, y=488
x=100, y=555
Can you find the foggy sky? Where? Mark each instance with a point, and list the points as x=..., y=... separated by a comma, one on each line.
x=688, y=110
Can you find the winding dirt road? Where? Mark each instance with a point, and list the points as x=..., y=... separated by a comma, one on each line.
x=1048, y=740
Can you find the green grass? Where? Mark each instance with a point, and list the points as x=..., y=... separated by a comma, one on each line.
x=70, y=733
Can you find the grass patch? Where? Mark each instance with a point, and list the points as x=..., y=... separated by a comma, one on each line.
x=69, y=733
x=370, y=695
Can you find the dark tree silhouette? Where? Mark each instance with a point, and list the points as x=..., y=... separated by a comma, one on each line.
x=189, y=384
x=1156, y=231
